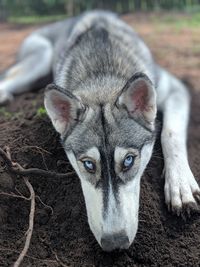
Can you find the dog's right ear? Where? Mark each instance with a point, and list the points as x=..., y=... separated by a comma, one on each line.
x=139, y=98
x=62, y=108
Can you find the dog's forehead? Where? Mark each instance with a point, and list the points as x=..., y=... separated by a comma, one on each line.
x=105, y=130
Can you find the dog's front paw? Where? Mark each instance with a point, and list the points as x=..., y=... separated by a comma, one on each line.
x=182, y=193
x=5, y=97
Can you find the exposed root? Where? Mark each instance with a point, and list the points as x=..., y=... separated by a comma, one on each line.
x=16, y=168
x=31, y=223
x=59, y=261
x=45, y=205
x=13, y=195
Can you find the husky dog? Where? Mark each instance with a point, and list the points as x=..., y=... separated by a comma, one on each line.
x=103, y=102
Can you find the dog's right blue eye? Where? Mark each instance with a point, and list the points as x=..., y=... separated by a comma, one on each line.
x=89, y=166
x=128, y=163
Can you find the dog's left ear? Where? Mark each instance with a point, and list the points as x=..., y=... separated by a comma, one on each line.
x=62, y=108
x=139, y=98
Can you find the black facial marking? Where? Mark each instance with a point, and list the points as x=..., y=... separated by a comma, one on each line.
x=108, y=175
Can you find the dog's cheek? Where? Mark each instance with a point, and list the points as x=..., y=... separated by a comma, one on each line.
x=94, y=206
x=129, y=206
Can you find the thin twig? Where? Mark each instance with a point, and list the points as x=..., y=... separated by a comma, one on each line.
x=38, y=148
x=31, y=223
x=13, y=195
x=45, y=205
x=59, y=261
x=16, y=168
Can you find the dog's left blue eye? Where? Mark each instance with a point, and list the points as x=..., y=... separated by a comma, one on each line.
x=128, y=162
x=89, y=166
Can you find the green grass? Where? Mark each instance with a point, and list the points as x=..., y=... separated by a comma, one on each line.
x=196, y=49
x=41, y=112
x=178, y=22
x=10, y=115
x=36, y=19
x=5, y=113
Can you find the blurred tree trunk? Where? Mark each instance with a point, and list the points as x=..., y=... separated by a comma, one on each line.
x=125, y=6
x=69, y=6
x=149, y=4
x=138, y=5
x=3, y=12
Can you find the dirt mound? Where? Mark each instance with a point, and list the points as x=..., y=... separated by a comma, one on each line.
x=162, y=238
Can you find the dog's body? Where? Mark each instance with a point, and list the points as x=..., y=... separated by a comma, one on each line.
x=103, y=102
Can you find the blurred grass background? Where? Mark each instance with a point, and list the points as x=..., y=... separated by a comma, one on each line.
x=42, y=11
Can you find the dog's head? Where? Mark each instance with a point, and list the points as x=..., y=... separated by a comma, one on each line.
x=109, y=146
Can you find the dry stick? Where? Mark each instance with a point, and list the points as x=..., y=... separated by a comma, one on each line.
x=17, y=169
x=30, y=228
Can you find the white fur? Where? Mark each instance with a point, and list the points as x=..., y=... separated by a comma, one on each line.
x=180, y=184
x=120, y=153
x=93, y=153
x=93, y=200
x=35, y=49
x=119, y=217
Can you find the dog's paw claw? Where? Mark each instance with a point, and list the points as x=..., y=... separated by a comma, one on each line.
x=175, y=210
x=182, y=192
x=197, y=196
x=189, y=208
x=186, y=210
x=178, y=211
x=168, y=206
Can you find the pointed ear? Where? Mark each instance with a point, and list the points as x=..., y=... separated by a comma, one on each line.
x=62, y=108
x=139, y=98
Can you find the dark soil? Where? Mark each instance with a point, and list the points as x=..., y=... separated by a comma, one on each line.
x=163, y=239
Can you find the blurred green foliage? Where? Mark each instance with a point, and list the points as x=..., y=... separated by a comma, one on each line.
x=17, y=8
x=177, y=22
x=36, y=19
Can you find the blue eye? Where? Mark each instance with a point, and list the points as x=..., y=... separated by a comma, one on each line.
x=128, y=162
x=89, y=166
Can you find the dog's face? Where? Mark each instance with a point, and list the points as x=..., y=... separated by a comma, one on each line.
x=109, y=146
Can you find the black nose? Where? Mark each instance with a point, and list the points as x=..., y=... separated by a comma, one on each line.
x=115, y=241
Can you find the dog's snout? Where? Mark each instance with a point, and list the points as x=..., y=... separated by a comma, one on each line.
x=119, y=240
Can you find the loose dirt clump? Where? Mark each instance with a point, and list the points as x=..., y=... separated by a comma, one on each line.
x=61, y=230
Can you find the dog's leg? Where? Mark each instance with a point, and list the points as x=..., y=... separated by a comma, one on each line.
x=181, y=188
x=34, y=62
